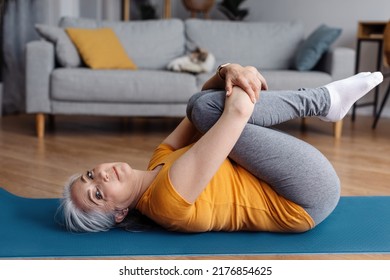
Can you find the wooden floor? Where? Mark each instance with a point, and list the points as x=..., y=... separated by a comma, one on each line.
x=34, y=167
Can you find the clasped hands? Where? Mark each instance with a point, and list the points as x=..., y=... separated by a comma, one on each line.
x=247, y=78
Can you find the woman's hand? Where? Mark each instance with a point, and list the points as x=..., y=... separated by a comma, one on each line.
x=246, y=78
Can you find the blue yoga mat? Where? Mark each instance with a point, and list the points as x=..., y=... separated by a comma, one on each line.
x=28, y=229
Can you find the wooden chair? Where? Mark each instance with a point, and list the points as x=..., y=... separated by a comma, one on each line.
x=386, y=57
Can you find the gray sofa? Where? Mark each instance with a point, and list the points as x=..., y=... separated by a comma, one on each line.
x=56, y=87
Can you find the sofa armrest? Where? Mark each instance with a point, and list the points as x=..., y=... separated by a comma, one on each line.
x=339, y=62
x=40, y=63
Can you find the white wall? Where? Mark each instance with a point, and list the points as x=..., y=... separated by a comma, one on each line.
x=59, y=8
x=69, y=7
x=101, y=9
x=340, y=13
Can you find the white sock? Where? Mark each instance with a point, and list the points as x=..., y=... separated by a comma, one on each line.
x=344, y=93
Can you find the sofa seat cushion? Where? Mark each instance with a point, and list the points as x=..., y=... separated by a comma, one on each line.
x=293, y=79
x=118, y=86
x=265, y=45
x=151, y=44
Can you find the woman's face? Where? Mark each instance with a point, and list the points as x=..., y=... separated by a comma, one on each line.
x=106, y=187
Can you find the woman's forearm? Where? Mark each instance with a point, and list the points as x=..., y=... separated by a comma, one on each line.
x=192, y=171
x=218, y=81
x=215, y=82
x=184, y=134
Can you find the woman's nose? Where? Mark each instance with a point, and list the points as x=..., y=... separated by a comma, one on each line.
x=104, y=176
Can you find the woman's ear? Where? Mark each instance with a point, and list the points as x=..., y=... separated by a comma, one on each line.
x=120, y=215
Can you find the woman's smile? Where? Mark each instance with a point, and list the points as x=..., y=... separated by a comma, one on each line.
x=116, y=173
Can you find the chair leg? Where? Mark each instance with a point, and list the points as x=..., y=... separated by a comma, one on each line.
x=40, y=125
x=338, y=129
x=378, y=114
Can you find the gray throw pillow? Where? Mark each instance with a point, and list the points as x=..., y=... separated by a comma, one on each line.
x=66, y=53
x=315, y=46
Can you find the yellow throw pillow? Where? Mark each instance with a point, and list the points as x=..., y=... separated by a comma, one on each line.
x=100, y=48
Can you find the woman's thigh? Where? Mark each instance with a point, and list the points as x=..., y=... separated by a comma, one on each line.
x=293, y=168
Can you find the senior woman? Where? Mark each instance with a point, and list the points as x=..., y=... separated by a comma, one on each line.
x=223, y=168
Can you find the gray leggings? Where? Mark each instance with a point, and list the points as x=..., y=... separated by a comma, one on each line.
x=293, y=168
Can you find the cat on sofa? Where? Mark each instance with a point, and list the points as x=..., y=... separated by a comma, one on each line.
x=198, y=61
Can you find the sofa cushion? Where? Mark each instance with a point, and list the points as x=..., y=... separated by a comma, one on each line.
x=66, y=52
x=315, y=46
x=119, y=109
x=152, y=44
x=121, y=86
x=100, y=48
x=293, y=79
x=265, y=45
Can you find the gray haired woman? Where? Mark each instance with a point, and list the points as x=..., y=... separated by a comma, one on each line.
x=224, y=168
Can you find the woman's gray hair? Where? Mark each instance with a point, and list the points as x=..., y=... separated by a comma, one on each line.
x=77, y=220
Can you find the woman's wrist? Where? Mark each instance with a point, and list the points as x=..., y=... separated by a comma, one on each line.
x=239, y=103
x=221, y=70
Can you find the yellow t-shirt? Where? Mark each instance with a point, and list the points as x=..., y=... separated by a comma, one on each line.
x=233, y=200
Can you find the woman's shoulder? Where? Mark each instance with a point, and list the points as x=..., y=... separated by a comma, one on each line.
x=158, y=156
x=164, y=154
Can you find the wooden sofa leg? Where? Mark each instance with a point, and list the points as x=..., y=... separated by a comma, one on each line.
x=337, y=129
x=40, y=125
x=303, y=124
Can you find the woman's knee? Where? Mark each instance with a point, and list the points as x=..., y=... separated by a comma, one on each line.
x=191, y=103
x=204, y=109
